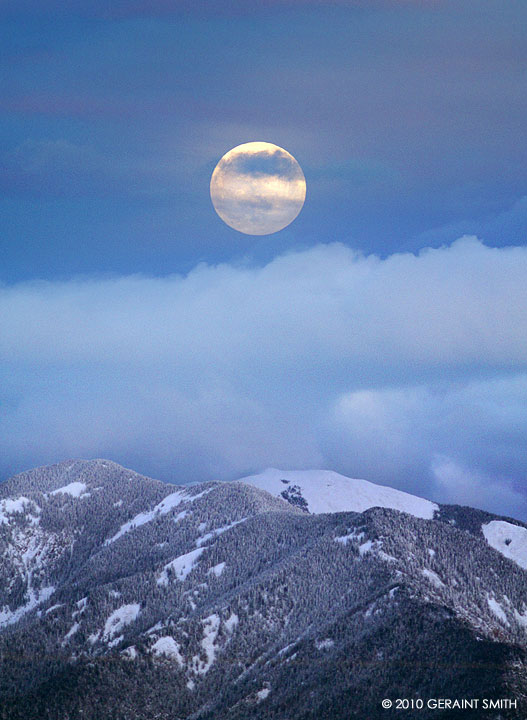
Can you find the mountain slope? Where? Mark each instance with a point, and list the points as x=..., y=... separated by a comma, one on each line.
x=222, y=601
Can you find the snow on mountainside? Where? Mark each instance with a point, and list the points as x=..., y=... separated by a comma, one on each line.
x=75, y=489
x=510, y=540
x=325, y=491
x=219, y=601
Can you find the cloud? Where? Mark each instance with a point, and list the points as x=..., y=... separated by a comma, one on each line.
x=321, y=357
x=459, y=441
x=459, y=485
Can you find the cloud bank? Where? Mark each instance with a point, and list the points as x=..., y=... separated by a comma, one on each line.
x=409, y=370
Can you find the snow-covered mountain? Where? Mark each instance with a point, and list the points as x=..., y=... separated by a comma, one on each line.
x=325, y=491
x=125, y=597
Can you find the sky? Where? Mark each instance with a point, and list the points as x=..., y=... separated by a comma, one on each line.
x=382, y=334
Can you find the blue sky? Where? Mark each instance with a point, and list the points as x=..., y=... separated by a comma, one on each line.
x=136, y=325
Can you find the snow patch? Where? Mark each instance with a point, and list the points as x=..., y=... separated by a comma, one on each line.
x=325, y=644
x=181, y=566
x=211, y=626
x=345, y=539
x=262, y=694
x=36, y=597
x=218, y=531
x=162, y=508
x=387, y=558
x=217, y=569
x=165, y=506
x=497, y=609
x=365, y=547
x=9, y=507
x=510, y=540
x=121, y=617
x=53, y=607
x=521, y=619
x=370, y=609
x=192, y=604
x=168, y=647
x=81, y=607
x=155, y=628
x=75, y=489
x=433, y=578
x=231, y=622
x=74, y=628
x=286, y=649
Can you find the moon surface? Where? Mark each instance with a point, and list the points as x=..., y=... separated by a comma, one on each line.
x=258, y=188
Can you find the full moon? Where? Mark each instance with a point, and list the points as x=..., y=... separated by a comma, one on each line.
x=258, y=188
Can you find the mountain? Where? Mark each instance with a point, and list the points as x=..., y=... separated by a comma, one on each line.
x=125, y=597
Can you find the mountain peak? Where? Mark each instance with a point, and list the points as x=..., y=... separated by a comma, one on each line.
x=70, y=475
x=326, y=491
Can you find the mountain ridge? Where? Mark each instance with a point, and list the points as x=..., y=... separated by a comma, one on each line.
x=225, y=600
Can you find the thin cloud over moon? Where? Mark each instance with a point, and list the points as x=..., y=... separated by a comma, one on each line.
x=258, y=188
